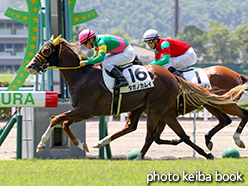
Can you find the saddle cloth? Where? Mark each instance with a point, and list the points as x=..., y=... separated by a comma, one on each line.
x=197, y=76
x=136, y=75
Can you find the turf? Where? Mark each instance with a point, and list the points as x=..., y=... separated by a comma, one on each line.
x=123, y=172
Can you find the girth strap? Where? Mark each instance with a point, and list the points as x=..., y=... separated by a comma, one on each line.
x=116, y=102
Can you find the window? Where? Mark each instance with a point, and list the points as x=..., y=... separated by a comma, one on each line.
x=1, y=48
x=19, y=49
x=1, y=25
x=59, y=139
x=2, y=28
x=19, y=25
x=9, y=50
x=9, y=28
x=8, y=46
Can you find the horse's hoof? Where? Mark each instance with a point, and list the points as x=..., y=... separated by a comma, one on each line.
x=210, y=156
x=40, y=149
x=139, y=157
x=85, y=147
x=209, y=145
x=97, y=145
x=240, y=144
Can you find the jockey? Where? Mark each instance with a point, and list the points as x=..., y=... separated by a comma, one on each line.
x=177, y=54
x=121, y=53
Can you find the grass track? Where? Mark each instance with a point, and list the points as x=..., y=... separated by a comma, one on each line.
x=113, y=173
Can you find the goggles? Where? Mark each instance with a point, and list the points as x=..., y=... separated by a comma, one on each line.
x=149, y=41
x=85, y=43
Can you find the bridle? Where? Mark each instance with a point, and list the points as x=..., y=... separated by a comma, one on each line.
x=55, y=50
x=53, y=56
x=50, y=61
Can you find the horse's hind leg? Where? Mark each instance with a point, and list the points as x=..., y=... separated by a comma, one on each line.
x=241, y=113
x=176, y=127
x=67, y=118
x=159, y=141
x=130, y=126
x=74, y=140
x=224, y=120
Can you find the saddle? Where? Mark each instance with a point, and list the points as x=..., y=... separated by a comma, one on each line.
x=193, y=75
x=136, y=75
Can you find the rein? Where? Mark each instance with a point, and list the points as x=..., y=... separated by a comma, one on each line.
x=68, y=68
x=64, y=68
x=41, y=59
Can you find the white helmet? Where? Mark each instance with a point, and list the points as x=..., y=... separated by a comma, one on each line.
x=150, y=34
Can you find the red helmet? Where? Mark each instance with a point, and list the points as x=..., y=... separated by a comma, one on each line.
x=85, y=35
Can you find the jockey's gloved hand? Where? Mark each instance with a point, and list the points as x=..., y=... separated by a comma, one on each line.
x=82, y=63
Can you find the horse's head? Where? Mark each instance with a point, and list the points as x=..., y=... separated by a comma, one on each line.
x=48, y=55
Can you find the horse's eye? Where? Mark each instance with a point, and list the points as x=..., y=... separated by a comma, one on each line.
x=46, y=51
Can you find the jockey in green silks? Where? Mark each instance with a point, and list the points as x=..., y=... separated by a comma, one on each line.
x=119, y=51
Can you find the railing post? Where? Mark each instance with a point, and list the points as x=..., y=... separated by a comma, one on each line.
x=103, y=131
x=7, y=129
x=19, y=135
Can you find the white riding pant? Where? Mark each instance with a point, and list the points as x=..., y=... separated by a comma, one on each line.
x=119, y=59
x=187, y=59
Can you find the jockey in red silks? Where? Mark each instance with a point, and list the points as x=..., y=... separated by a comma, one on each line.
x=120, y=53
x=176, y=54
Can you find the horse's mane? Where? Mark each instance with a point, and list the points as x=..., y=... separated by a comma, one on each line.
x=71, y=46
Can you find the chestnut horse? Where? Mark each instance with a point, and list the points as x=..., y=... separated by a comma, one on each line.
x=90, y=98
x=222, y=80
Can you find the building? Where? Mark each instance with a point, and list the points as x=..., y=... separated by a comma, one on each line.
x=13, y=39
x=144, y=54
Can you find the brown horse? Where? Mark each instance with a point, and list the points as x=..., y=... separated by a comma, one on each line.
x=90, y=98
x=222, y=80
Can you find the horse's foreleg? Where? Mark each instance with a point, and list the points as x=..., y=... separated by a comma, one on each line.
x=41, y=146
x=130, y=126
x=69, y=117
x=151, y=134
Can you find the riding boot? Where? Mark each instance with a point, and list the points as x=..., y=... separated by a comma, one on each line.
x=175, y=72
x=120, y=80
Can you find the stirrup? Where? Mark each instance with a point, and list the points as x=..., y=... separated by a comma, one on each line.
x=119, y=84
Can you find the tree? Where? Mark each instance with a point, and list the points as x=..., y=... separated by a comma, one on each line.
x=195, y=37
x=240, y=41
x=120, y=33
x=221, y=45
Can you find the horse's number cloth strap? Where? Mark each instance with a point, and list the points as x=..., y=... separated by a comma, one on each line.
x=136, y=75
x=197, y=76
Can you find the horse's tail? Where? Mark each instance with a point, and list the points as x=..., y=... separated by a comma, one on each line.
x=244, y=78
x=196, y=95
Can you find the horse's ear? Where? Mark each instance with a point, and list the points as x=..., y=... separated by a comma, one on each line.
x=56, y=41
x=52, y=37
